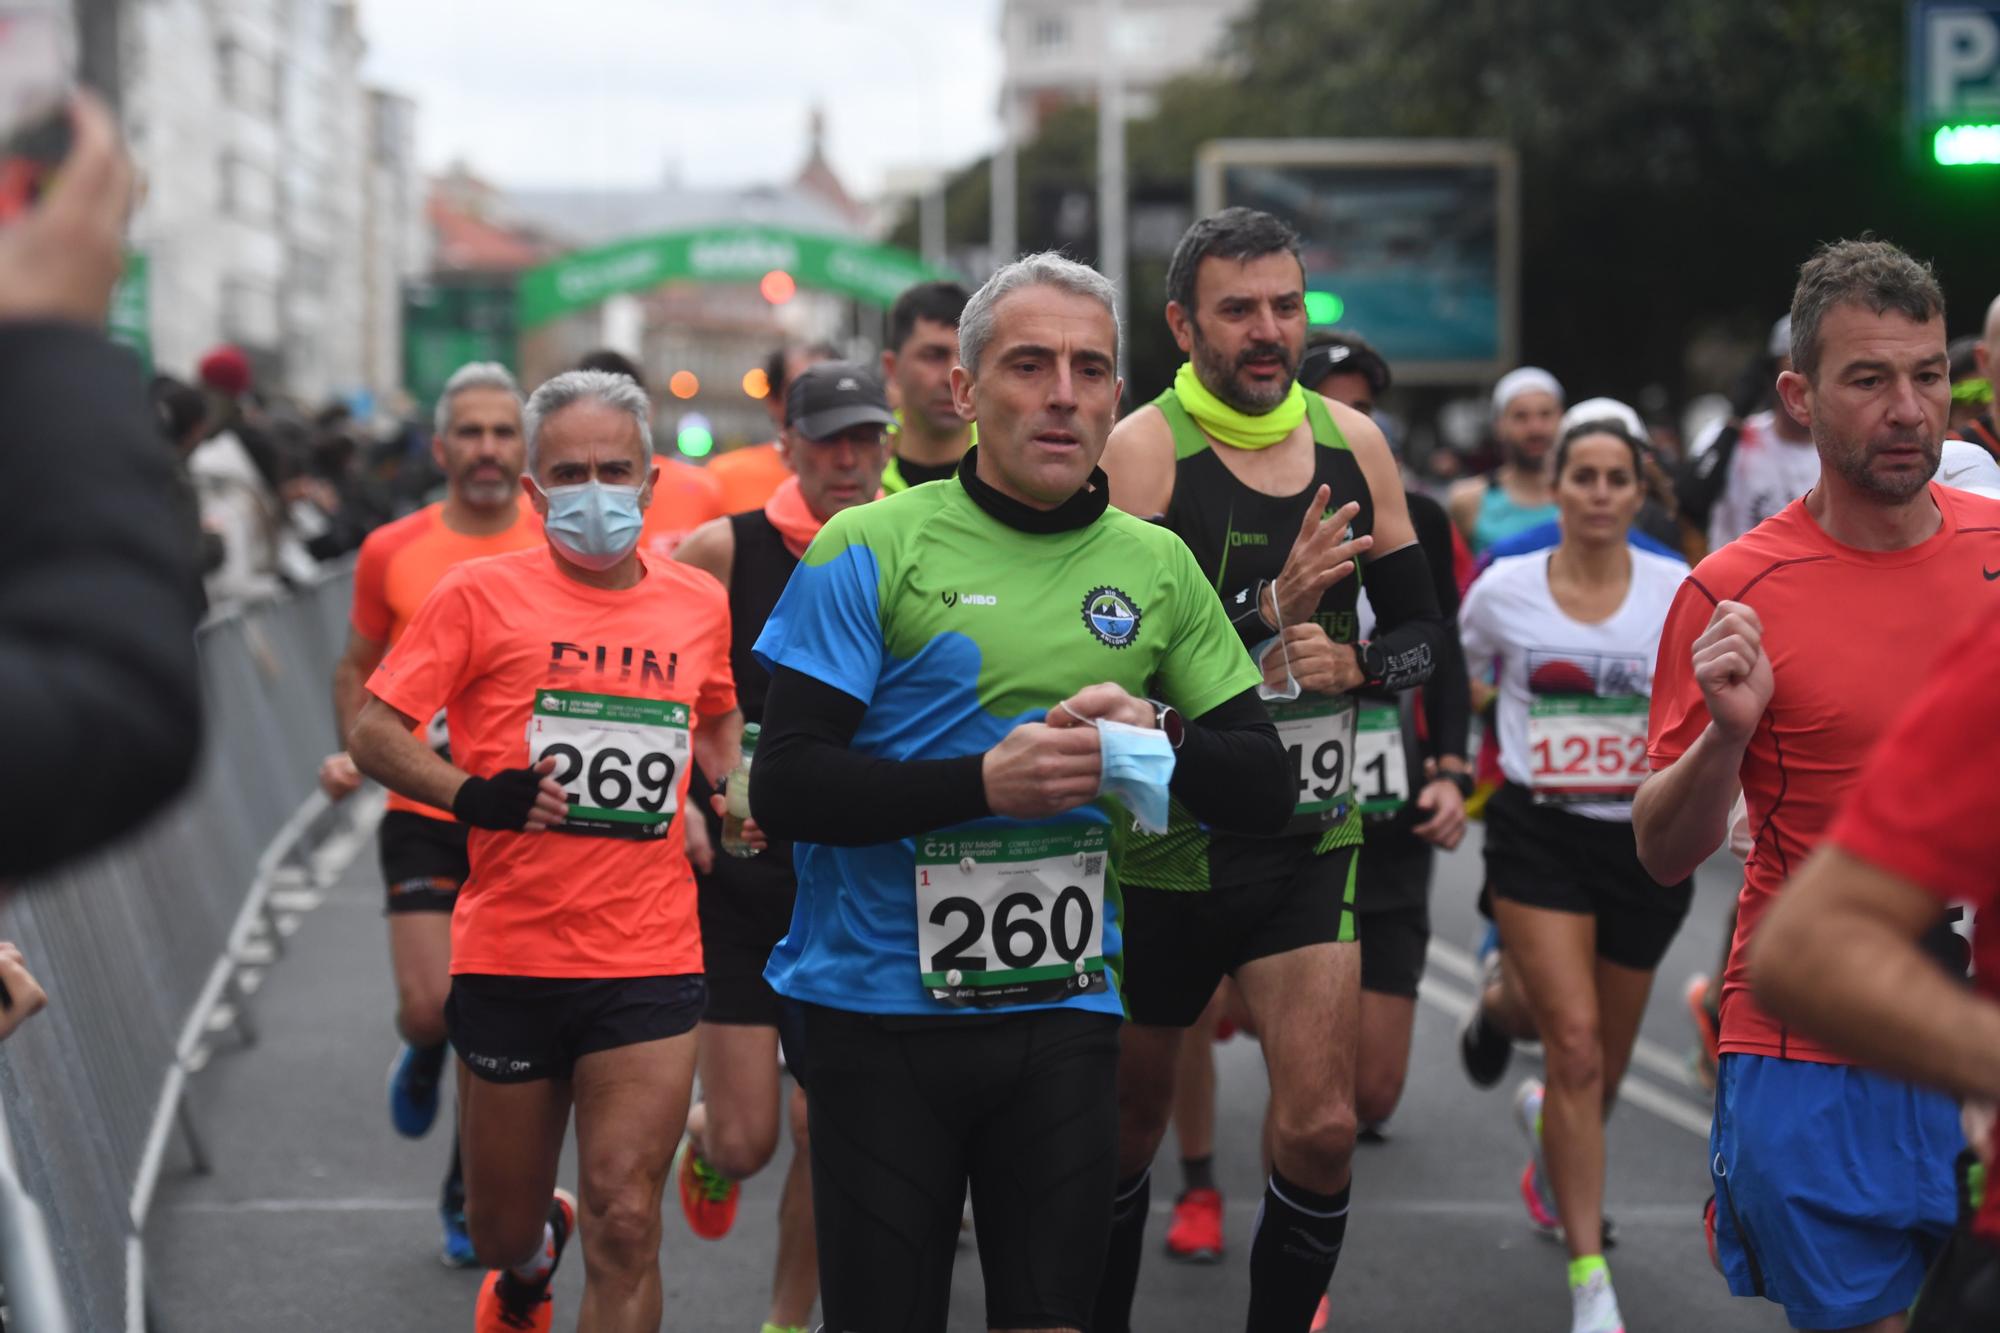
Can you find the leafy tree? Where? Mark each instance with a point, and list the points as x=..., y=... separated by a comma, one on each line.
x=1679, y=158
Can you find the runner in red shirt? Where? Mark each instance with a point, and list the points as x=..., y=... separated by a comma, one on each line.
x=1841, y=951
x=749, y=476
x=582, y=680
x=478, y=448
x=1784, y=657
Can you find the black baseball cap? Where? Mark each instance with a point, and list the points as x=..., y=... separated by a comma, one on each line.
x=828, y=398
x=1346, y=354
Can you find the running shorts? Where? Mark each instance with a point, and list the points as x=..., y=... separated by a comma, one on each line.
x=746, y=908
x=1392, y=911
x=1541, y=856
x=1834, y=1186
x=521, y=1029
x=906, y=1110
x=1179, y=944
x=423, y=861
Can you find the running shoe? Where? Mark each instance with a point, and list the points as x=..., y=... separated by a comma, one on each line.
x=1483, y=1049
x=708, y=1198
x=1536, y=1197
x=413, y=1089
x=1323, y=1316
x=1195, y=1234
x=1708, y=1230
x=1594, y=1307
x=1489, y=945
x=456, y=1250
x=1706, y=1028
x=509, y=1305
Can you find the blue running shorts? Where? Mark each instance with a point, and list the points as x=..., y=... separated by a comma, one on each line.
x=1833, y=1186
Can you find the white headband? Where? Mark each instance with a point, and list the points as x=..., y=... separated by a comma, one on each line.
x=1528, y=379
x=1604, y=409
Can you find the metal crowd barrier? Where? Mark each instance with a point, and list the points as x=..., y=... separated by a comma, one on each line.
x=141, y=949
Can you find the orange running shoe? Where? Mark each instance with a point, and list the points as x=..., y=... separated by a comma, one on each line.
x=1322, y=1316
x=509, y=1305
x=708, y=1198
x=1705, y=1027
x=1195, y=1234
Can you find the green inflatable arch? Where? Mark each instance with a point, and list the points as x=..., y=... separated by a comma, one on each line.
x=875, y=274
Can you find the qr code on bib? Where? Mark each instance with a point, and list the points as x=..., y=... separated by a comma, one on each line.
x=1093, y=865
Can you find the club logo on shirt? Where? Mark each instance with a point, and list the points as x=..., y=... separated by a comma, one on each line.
x=1111, y=616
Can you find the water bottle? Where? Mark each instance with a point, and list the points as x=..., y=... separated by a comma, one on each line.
x=736, y=791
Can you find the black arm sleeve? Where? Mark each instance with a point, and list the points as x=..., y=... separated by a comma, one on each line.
x=1448, y=693
x=1701, y=480
x=1232, y=772
x=97, y=656
x=806, y=785
x=1408, y=626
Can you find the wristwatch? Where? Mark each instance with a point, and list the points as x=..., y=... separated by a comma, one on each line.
x=1168, y=722
x=1373, y=660
x=1458, y=778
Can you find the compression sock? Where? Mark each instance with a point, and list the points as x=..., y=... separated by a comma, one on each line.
x=1129, y=1204
x=1293, y=1254
x=1198, y=1173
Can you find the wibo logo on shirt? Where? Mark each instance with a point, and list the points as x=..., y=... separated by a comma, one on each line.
x=968, y=599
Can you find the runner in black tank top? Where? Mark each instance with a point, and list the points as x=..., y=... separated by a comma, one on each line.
x=1279, y=494
x=835, y=413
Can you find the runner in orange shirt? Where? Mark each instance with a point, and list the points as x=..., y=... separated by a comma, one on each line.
x=751, y=474
x=478, y=448
x=684, y=496
x=1785, y=656
x=582, y=680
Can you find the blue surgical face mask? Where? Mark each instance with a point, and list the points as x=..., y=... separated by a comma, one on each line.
x=593, y=524
x=1138, y=762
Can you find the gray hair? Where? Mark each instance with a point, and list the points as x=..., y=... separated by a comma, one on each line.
x=474, y=375
x=1867, y=272
x=600, y=386
x=1047, y=269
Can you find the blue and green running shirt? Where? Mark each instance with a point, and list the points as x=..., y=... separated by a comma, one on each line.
x=954, y=628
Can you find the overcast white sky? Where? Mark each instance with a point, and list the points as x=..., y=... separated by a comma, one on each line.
x=614, y=92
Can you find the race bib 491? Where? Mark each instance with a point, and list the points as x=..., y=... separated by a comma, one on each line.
x=1318, y=735
x=616, y=760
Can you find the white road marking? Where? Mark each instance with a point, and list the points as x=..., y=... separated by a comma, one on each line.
x=1647, y=1055
x=1674, y=1110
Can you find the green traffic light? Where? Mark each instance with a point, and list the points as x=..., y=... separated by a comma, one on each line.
x=1324, y=308
x=1966, y=145
x=695, y=442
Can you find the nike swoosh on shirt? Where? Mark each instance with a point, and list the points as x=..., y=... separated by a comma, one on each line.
x=1990, y=574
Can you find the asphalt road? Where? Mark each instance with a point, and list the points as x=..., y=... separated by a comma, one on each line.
x=317, y=1216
